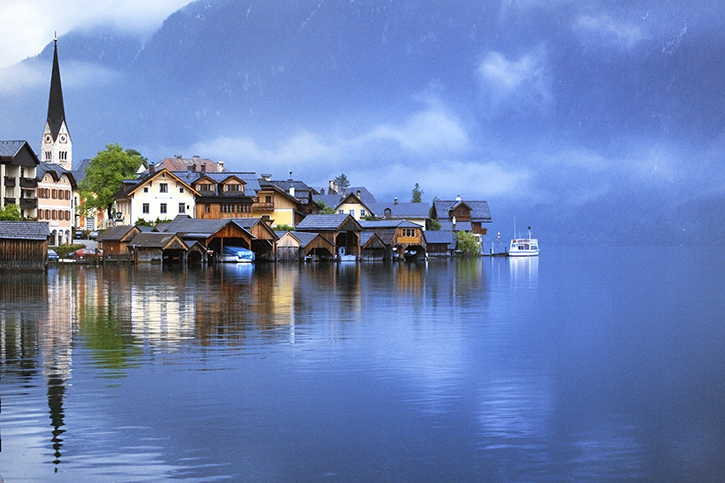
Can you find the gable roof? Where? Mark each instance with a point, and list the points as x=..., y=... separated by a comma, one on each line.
x=19, y=153
x=155, y=240
x=187, y=227
x=24, y=230
x=378, y=224
x=180, y=163
x=56, y=171
x=440, y=237
x=328, y=223
x=248, y=178
x=479, y=209
x=116, y=233
x=133, y=186
x=402, y=210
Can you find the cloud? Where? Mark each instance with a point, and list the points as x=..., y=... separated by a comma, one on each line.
x=29, y=76
x=30, y=24
x=608, y=32
x=431, y=130
x=523, y=82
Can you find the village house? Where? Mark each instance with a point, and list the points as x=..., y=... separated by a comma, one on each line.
x=278, y=206
x=157, y=195
x=418, y=213
x=456, y=211
x=116, y=239
x=297, y=189
x=56, y=188
x=353, y=201
x=19, y=186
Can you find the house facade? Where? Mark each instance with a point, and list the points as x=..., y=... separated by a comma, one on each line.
x=18, y=170
x=477, y=213
x=56, y=201
x=158, y=195
x=223, y=194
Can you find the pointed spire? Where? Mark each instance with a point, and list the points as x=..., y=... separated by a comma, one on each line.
x=56, y=111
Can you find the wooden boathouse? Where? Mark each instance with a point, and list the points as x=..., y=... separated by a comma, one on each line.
x=23, y=245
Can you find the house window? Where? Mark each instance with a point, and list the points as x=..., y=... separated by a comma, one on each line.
x=342, y=212
x=232, y=187
x=362, y=214
x=162, y=208
x=145, y=189
x=48, y=155
x=145, y=208
x=352, y=213
x=268, y=199
x=243, y=208
x=163, y=187
x=54, y=194
x=182, y=208
x=408, y=232
x=205, y=187
x=181, y=190
x=207, y=209
x=64, y=155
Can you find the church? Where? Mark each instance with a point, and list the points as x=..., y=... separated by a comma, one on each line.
x=57, y=187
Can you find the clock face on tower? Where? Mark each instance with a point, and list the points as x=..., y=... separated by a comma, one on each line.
x=47, y=138
x=63, y=138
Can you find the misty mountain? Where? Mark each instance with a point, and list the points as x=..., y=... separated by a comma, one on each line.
x=589, y=120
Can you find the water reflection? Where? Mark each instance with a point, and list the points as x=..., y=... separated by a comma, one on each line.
x=524, y=271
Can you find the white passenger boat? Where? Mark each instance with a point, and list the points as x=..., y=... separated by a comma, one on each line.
x=524, y=247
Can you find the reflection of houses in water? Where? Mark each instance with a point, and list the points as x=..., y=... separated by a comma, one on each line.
x=163, y=312
x=524, y=271
x=39, y=336
x=56, y=328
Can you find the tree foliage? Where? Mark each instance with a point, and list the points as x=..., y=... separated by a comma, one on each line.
x=417, y=194
x=435, y=225
x=468, y=244
x=104, y=177
x=324, y=208
x=10, y=213
x=342, y=181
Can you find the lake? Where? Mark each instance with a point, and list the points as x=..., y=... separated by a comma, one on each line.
x=579, y=365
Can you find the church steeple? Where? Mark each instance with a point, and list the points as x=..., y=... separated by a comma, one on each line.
x=56, y=146
x=56, y=111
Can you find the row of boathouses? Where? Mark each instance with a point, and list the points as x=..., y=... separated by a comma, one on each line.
x=320, y=237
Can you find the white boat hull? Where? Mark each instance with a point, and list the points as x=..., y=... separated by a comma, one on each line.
x=524, y=247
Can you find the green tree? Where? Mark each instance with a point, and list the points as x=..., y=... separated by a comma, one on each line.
x=417, y=194
x=10, y=213
x=435, y=225
x=467, y=244
x=342, y=181
x=324, y=209
x=284, y=227
x=104, y=177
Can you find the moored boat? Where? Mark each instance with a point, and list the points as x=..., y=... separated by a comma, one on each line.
x=524, y=247
x=237, y=255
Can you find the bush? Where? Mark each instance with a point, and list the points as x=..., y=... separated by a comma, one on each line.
x=468, y=244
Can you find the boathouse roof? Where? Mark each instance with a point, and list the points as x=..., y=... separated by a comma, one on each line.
x=24, y=230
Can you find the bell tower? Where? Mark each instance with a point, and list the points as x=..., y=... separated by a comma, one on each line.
x=56, y=145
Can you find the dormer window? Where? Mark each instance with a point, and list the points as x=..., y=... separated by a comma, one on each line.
x=235, y=188
x=205, y=187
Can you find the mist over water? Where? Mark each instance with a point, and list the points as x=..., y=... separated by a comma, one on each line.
x=598, y=365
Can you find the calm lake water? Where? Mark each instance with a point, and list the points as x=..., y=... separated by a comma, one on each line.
x=594, y=365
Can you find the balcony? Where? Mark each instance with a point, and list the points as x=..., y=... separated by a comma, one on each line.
x=28, y=183
x=9, y=182
x=29, y=203
x=10, y=201
x=264, y=206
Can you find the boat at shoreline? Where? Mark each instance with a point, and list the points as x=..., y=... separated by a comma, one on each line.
x=524, y=247
x=237, y=255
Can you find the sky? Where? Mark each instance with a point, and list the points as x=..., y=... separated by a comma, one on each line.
x=564, y=113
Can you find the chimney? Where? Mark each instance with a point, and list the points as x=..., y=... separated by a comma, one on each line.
x=220, y=166
x=357, y=193
x=189, y=171
x=292, y=191
x=454, y=222
x=266, y=177
x=178, y=156
x=152, y=168
x=395, y=201
x=333, y=187
x=203, y=166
